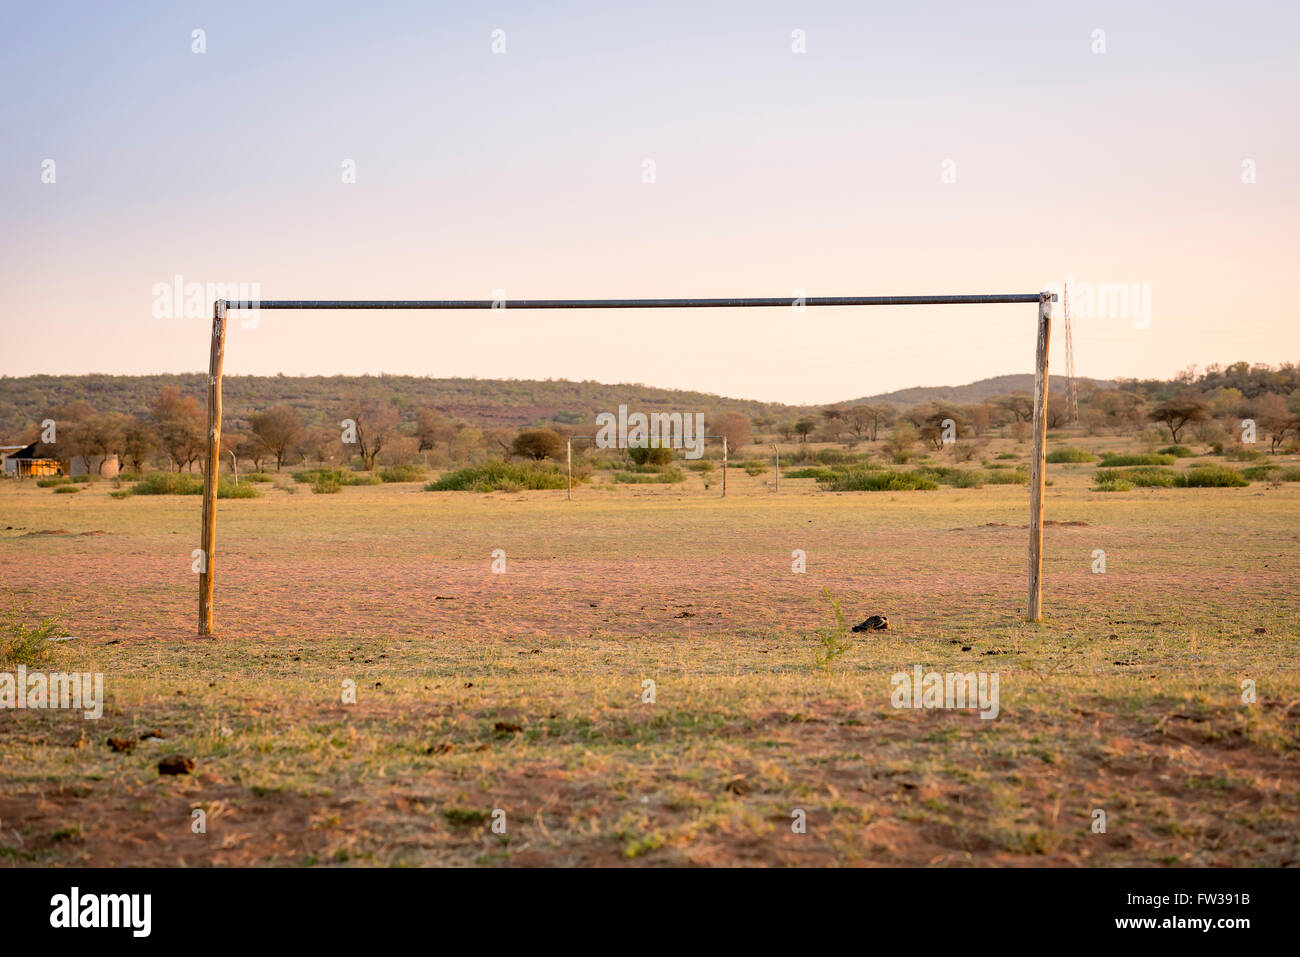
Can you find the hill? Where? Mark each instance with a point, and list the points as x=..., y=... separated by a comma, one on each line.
x=484, y=403
x=974, y=391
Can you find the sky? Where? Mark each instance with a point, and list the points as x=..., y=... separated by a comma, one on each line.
x=591, y=150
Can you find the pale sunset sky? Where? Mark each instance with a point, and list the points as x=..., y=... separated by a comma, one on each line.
x=941, y=147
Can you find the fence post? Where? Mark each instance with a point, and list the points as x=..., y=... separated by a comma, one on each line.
x=568, y=455
x=1033, y=611
x=777, y=450
x=724, y=466
x=211, y=470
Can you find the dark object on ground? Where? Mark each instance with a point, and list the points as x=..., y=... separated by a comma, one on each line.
x=175, y=764
x=121, y=744
x=874, y=623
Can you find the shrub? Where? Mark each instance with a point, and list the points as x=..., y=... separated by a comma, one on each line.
x=168, y=483
x=326, y=483
x=180, y=483
x=879, y=481
x=1146, y=477
x=496, y=475
x=1007, y=455
x=754, y=468
x=1243, y=454
x=1016, y=477
x=662, y=477
x=342, y=476
x=1212, y=476
x=64, y=489
x=257, y=477
x=401, y=473
x=1112, y=484
x=21, y=645
x=645, y=455
x=228, y=489
x=701, y=465
x=1259, y=473
x=1070, y=454
x=1149, y=458
x=84, y=479
x=1177, y=451
x=831, y=457
x=812, y=472
x=1290, y=474
x=51, y=480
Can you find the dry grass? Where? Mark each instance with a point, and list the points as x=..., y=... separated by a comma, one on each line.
x=523, y=692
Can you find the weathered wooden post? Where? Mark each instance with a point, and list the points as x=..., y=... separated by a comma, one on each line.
x=724, y=466
x=212, y=469
x=1038, y=468
x=568, y=454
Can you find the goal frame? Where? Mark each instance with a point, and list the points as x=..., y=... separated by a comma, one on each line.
x=222, y=308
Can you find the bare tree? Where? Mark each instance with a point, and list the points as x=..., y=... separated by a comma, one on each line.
x=278, y=428
x=374, y=422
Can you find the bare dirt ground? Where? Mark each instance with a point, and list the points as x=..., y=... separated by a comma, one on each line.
x=520, y=695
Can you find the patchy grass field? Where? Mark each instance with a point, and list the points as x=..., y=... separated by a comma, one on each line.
x=522, y=692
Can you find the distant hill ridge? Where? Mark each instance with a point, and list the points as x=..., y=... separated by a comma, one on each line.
x=974, y=391
x=485, y=403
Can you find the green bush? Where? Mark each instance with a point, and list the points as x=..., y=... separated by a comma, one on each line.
x=341, y=476
x=754, y=468
x=1242, y=454
x=812, y=472
x=1291, y=474
x=701, y=465
x=879, y=481
x=51, y=480
x=1212, y=476
x=257, y=477
x=1016, y=477
x=21, y=645
x=1260, y=473
x=1145, y=477
x=326, y=483
x=662, y=477
x=1008, y=455
x=228, y=489
x=1070, y=453
x=1149, y=458
x=63, y=489
x=646, y=455
x=831, y=457
x=168, y=483
x=496, y=476
x=1177, y=451
x=1113, y=485
x=182, y=483
x=84, y=479
x=401, y=473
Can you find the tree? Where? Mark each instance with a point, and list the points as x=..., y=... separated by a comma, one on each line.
x=1275, y=418
x=374, y=421
x=181, y=425
x=1019, y=404
x=432, y=427
x=900, y=442
x=537, y=444
x=278, y=428
x=1177, y=412
x=732, y=425
x=138, y=442
x=804, y=428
